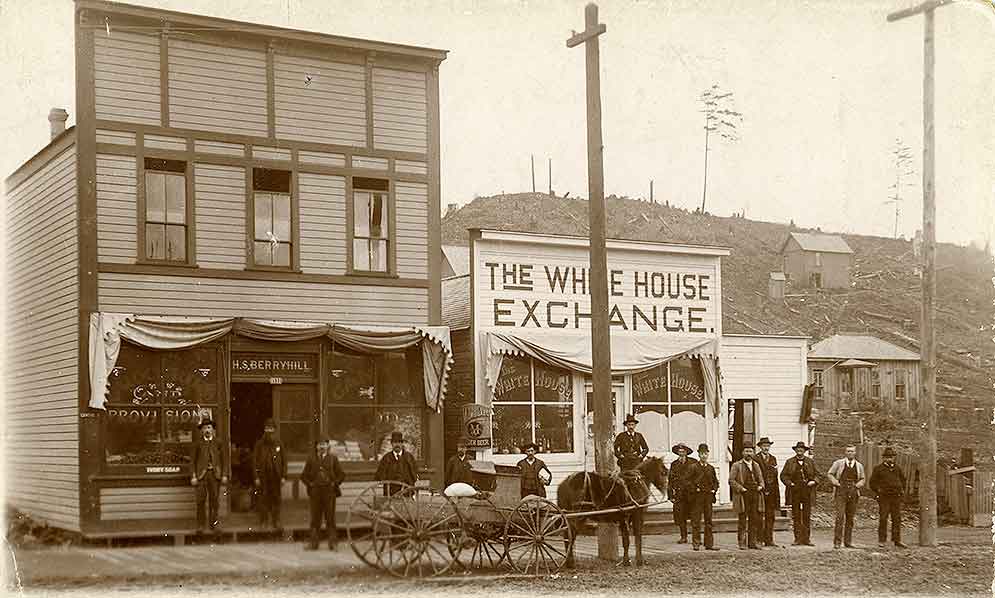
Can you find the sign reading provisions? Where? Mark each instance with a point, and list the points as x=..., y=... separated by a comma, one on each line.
x=477, y=425
x=274, y=365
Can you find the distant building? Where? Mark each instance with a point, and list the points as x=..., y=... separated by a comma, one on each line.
x=455, y=260
x=775, y=285
x=817, y=261
x=845, y=370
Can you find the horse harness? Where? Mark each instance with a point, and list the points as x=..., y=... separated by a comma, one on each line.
x=618, y=479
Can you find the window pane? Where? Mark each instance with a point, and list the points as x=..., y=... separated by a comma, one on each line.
x=354, y=433
x=655, y=427
x=155, y=197
x=296, y=438
x=176, y=199
x=282, y=255
x=515, y=381
x=281, y=217
x=295, y=406
x=393, y=384
x=135, y=378
x=552, y=384
x=512, y=428
x=360, y=254
x=686, y=383
x=378, y=256
x=181, y=423
x=132, y=435
x=650, y=386
x=688, y=424
x=352, y=379
x=555, y=428
x=176, y=242
x=378, y=216
x=155, y=241
x=263, y=253
x=361, y=214
x=264, y=216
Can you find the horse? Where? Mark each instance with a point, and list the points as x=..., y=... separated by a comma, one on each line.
x=585, y=491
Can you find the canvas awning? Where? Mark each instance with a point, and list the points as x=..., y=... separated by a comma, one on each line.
x=178, y=332
x=629, y=354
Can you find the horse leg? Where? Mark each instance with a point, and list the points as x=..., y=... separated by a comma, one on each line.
x=569, y=546
x=637, y=534
x=623, y=528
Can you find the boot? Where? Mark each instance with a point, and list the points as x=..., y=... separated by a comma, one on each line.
x=314, y=540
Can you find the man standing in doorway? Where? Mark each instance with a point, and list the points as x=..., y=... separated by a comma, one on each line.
x=534, y=481
x=888, y=483
x=270, y=468
x=746, y=480
x=679, y=480
x=630, y=446
x=847, y=477
x=208, y=476
x=397, y=466
x=702, y=496
x=772, y=490
x=322, y=477
x=800, y=477
x=458, y=467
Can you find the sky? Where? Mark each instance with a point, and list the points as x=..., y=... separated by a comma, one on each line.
x=825, y=88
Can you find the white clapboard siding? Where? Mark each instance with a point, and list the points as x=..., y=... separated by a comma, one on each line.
x=178, y=144
x=41, y=422
x=279, y=300
x=220, y=214
x=117, y=229
x=400, y=110
x=178, y=502
x=323, y=218
x=126, y=77
x=369, y=162
x=320, y=101
x=216, y=88
x=321, y=158
x=270, y=153
x=218, y=147
x=115, y=137
x=411, y=200
x=411, y=166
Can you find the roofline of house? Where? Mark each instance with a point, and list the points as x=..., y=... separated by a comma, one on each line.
x=42, y=157
x=785, y=336
x=486, y=234
x=823, y=358
x=455, y=276
x=176, y=18
x=792, y=234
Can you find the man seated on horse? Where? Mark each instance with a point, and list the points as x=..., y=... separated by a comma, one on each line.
x=533, y=481
x=681, y=480
x=630, y=446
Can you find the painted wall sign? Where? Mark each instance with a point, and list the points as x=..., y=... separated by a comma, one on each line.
x=274, y=365
x=163, y=469
x=477, y=425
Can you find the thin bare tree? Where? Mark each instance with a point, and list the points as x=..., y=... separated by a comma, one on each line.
x=720, y=119
x=903, y=169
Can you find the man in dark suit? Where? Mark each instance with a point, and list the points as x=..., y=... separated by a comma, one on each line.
x=269, y=467
x=458, y=467
x=800, y=477
x=772, y=490
x=397, y=466
x=702, y=496
x=888, y=483
x=322, y=477
x=746, y=480
x=531, y=468
x=679, y=480
x=630, y=446
x=209, y=474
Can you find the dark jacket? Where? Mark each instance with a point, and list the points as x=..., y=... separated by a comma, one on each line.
x=398, y=469
x=706, y=482
x=887, y=481
x=796, y=478
x=268, y=460
x=630, y=450
x=205, y=453
x=320, y=472
x=772, y=490
x=743, y=478
x=458, y=470
x=531, y=484
x=681, y=478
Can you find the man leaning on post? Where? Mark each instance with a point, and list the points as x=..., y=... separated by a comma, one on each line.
x=847, y=477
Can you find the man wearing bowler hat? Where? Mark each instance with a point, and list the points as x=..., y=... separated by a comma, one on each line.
x=630, y=446
x=397, y=466
x=270, y=466
x=702, y=496
x=772, y=490
x=534, y=481
x=208, y=475
x=322, y=477
x=800, y=477
x=679, y=482
x=888, y=483
x=458, y=467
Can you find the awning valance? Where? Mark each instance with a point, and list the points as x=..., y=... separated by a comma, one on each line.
x=177, y=332
x=629, y=354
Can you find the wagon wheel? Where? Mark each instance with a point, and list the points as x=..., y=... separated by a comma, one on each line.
x=537, y=537
x=418, y=534
x=363, y=521
x=483, y=535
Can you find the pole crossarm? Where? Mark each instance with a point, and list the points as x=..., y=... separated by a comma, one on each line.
x=579, y=38
x=931, y=5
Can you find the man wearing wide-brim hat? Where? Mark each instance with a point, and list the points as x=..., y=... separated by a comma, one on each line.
x=397, y=466
x=535, y=475
x=888, y=483
x=800, y=478
x=680, y=481
x=630, y=446
x=771, y=492
x=209, y=474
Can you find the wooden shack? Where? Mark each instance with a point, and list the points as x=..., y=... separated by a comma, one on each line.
x=847, y=370
x=817, y=261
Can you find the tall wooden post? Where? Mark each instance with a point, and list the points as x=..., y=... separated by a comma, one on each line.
x=604, y=458
x=532, y=160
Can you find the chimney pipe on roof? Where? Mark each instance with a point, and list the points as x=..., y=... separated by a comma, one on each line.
x=57, y=120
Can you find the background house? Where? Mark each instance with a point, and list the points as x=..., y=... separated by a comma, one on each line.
x=818, y=261
x=846, y=370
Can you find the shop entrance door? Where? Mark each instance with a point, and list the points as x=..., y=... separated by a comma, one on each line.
x=619, y=406
x=742, y=425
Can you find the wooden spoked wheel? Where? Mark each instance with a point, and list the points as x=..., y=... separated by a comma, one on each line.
x=418, y=534
x=537, y=537
x=483, y=533
x=362, y=521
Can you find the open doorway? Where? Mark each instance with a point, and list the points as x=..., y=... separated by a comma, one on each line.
x=251, y=406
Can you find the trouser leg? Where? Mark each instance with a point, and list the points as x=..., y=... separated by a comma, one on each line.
x=696, y=513
x=767, y=527
x=742, y=524
x=839, y=504
x=896, y=519
x=851, y=510
x=753, y=531
x=883, y=512
x=707, y=511
x=314, y=502
x=213, y=487
x=796, y=520
x=681, y=516
x=201, y=505
x=807, y=520
x=333, y=536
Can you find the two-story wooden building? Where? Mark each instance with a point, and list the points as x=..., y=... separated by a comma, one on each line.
x=817, y=261
x=243, y=224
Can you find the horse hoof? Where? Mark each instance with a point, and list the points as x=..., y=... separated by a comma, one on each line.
x=640, y=563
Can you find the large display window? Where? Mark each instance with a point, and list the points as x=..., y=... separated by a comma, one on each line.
x=669, y=401
x=533, y=402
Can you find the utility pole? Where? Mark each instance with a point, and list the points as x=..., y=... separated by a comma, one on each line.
x=651, y=190
x=532, y=159
x=550, y=177
x=604, y=461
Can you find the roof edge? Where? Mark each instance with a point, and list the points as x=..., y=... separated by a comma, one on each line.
x=40, y=158
x=554, y=239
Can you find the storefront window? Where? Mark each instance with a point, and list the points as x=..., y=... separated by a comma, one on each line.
x=370, y=396
x=533, y=402
x=670, y=403
x=156, y=400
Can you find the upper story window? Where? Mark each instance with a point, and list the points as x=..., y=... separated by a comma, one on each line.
x=818, y=258
x=165, y=210
x=272, y=218
x=876, y=383
x=371, y=225
x=899, y=384
x=817, y=383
